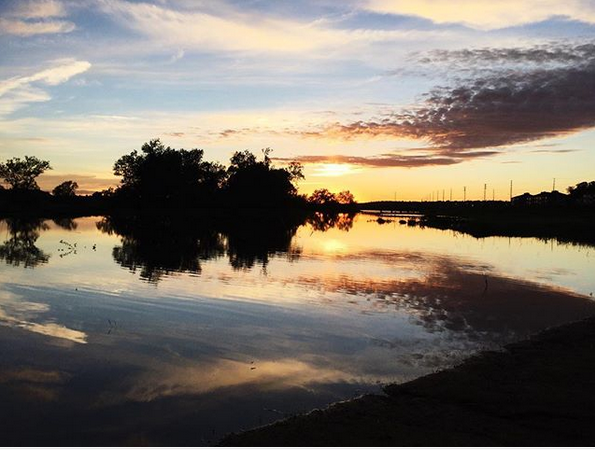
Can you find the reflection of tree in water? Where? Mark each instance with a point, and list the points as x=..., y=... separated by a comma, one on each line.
x=66, y=223
x=248, y=245
x=158, y=246
x=324, y=221
x=161, y=246
x=20, y=247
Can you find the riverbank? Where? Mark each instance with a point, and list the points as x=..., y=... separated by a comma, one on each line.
x=539, y=392
x=565, y=223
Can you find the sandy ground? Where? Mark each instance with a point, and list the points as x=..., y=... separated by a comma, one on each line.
x=538, y=392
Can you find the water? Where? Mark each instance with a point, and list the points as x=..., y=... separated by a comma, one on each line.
x=179, y=331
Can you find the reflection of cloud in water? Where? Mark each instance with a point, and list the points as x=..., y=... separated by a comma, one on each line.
x=446, y=293
x=22, y=314
x=35, y=384
x=200, y=379
x=31, y=375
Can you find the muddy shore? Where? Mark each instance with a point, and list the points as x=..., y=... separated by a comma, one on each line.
x=538, y=392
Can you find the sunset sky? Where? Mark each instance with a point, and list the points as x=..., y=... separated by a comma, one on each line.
x=381, y=97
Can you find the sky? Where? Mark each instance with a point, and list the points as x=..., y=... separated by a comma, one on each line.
x=413, y=100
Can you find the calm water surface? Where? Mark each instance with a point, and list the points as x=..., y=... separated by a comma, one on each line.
x=127, y=331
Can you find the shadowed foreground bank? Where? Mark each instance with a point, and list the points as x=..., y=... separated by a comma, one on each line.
x=536, y=392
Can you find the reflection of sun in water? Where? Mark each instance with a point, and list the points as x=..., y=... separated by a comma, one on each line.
x=333, y=170
x=333, y=246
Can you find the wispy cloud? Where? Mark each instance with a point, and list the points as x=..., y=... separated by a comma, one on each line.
x=17, y=92
x=24, y=28
x=203, y=29
x=486, y=14
x=391, y=159
x=30, y=18
x=40, y=9
x=228, y=29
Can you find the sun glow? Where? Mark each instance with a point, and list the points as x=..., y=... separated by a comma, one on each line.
x=333, y=246
x=333, y=170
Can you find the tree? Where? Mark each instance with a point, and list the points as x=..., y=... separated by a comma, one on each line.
x=241, y=161
x=345, y=198
x=160, y=173
x=21, y=173
x=322, y=197
x=582, y=189
x=66, y=189
x=296, y=170
x=259, y=183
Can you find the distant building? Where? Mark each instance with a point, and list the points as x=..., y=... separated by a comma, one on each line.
x=543, y=198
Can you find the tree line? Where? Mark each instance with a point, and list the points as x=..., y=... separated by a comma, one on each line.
x=163, y=176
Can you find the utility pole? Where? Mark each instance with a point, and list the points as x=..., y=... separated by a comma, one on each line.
x=493, y=194
x=511, y=190
x=554, y=185
x=442, y=194
x=485, y=187
x=464, y=193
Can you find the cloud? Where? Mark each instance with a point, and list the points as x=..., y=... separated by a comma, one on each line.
x=177, y=56
x=390, y=159
x=17, y=92
x=39, y=9
x=205, y=30
x=29, y=18
x=551, y=53
x=556, y=151
x=177, y=134
x=23, y=28
x=497, y=109
x=486, y=14
x=227, y=29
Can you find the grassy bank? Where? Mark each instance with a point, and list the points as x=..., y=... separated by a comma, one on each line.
x=538, y=392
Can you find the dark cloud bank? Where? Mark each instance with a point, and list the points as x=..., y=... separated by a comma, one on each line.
x=552, y=94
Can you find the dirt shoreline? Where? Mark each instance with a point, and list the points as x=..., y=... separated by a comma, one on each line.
x=538, y=392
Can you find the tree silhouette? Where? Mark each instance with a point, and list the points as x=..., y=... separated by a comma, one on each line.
x=161, y=174
x=166, y=176
x=581, y=190
x=324, y=197
x=66, y=189
x=345, y=198
x=258, y=183
x=21, y=173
